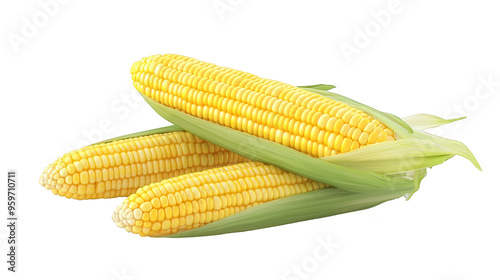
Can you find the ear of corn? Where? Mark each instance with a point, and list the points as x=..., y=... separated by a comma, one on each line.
x=236, y=198
x=120, y=166
x=206, y=97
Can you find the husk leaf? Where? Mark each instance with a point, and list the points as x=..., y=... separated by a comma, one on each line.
x=259, y=149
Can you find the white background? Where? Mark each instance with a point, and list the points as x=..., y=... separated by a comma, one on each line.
x=68, y=82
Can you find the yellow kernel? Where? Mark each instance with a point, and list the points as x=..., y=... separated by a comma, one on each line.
x=165, y=224
x=175, y=223
x=156, y=226
x=369, y=127
x=354, y=121
x=101, y=187
x=171, y=199
x=382, y=136
x=90, y=189
x=81, y=189
x=71, y=168
x=354, y=145
x=84, y=177
x=67, y=159
x=146, y=206
x=153, y=215
x=346, y=145
x=164, y=201
x=78, y=166
x=363, y=138
x=136, y=229
x=63, y=172
x=68, y=180
x=356, y=134
x=196, y=193
x=155, y=202
x=363, y=123
x=340, y=113
x=322, y=121
x=338, y=125
x=215, y=203
x=168, y=213
x=344, y=130
x=338, y=142
x=330, y=123
x=347, y=116
x=137, y=213
x=373, y=137
x=161, y=215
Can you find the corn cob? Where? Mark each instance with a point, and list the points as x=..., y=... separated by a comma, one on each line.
x=276, y=111
x=120, y=167
x=196, y=199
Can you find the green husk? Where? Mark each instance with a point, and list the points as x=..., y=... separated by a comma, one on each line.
x=259, y=149
x=426, y=121
x=319, y=86
x=393, y=156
